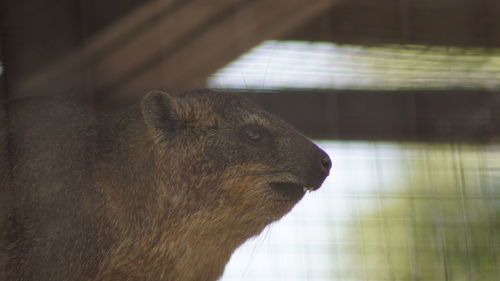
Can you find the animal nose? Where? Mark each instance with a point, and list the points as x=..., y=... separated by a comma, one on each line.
x=317, y=165
x=318, y=174
x=326, y=163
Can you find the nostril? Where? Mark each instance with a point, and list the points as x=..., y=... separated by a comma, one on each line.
x=326, y=163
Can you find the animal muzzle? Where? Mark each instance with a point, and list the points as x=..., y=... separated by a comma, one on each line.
x=317, y=169
x=313, y=167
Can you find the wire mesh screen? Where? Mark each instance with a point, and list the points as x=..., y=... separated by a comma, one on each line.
x=390, y=211
x=326, y=65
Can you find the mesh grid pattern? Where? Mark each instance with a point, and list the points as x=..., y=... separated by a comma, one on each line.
x=388, y=212
x=324, y=65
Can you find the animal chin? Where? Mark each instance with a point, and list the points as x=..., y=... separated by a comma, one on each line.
x=290, y=190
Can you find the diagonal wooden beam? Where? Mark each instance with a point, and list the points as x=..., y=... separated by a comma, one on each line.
x=154, y=43
x=170, y=44
x=217, y=41
x=50, y=53
x=270, y=21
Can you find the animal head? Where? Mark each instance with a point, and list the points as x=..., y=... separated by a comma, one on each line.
x=217, y=151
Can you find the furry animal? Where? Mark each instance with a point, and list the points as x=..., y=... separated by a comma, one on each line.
x=163, y=190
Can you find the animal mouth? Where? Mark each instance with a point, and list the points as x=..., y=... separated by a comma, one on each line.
x=290, y=190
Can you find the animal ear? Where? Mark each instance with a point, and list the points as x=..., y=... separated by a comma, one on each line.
x=164, y=112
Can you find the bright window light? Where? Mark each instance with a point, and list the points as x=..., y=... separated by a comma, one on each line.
x=321, y=65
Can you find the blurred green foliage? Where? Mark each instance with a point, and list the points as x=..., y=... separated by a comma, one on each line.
x=441, y=223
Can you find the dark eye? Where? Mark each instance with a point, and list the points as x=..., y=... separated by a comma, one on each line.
x=252, y=134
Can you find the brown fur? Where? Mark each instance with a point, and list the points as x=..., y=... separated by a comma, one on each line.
x=164, y=190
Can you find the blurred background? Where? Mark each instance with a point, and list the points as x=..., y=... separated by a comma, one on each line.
x=403, y=95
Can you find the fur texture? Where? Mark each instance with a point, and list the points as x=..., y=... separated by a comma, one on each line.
x=163, y=190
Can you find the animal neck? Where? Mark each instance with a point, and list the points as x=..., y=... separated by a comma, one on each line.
x=208, y=245
x=124, y=159
x=162, y=238
x=189, y=249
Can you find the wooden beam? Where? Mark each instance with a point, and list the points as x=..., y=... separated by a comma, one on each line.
x=428, y=116
x=162, y=44
x=47, y=47
x=155, y=44
x=268, y=20
x=34, y=34
x=205, y=43
x=466, y=23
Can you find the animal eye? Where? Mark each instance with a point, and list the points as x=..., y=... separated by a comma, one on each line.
x=252, y=134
